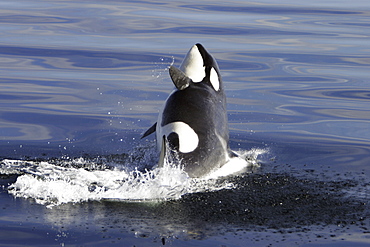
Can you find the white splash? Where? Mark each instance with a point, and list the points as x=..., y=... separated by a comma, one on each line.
x=52, y=185
x=246, y=160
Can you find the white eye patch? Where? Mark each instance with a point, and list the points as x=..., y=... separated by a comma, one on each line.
x=188, y=139
x=215, y=81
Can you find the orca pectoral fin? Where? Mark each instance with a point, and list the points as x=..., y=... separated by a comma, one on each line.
x=178, y=77
x=232, y=154
x=162, y=155
x=150, y=130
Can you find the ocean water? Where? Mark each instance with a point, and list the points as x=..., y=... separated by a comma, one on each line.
x=81, y=81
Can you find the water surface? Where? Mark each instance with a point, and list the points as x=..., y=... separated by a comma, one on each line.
x=87, y=78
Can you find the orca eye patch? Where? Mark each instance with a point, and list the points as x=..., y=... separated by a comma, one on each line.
x=214, y=79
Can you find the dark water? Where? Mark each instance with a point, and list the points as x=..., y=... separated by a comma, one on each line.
x=86, y=79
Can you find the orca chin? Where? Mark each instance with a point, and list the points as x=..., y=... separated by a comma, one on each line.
x=192, y=125
x=192, y=65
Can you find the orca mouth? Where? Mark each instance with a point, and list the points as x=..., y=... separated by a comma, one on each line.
x=207, y=58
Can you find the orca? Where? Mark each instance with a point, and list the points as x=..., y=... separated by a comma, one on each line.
x=192, y=126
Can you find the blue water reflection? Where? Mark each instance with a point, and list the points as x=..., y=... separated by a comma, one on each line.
x=287, y=68
x=273, y=10
x=88, y=77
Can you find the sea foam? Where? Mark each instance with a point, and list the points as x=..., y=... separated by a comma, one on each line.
x=53, y=184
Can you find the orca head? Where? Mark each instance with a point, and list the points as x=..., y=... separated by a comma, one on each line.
x=198, y=66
